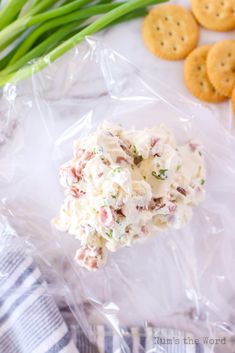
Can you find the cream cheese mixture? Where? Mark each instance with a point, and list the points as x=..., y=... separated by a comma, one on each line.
x=121, y=185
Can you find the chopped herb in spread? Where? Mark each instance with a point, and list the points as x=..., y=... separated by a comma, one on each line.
x=110, y=233
x=117, y=170
x=134, y=150
x=178, y=167
x=203, y=181
x=137, y=157
x=162, y=175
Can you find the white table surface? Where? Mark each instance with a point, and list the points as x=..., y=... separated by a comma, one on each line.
x=127, y=41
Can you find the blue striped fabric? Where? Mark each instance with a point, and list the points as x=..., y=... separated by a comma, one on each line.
x=30, y=322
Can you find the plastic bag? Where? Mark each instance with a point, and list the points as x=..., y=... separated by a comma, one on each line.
x=180, y=278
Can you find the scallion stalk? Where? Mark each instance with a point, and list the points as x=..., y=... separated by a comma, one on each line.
x=39, y=6
x=113, y=15
x=53, y=41
x=60, y=11
x=26, y=21
x=75, y=16
x=36, y=52
x=10, y=11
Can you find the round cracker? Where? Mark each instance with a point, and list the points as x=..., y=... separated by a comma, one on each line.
x=221, y=66
x=170, y=32
x=218, y=15
x=233, y=100
x=196, y=78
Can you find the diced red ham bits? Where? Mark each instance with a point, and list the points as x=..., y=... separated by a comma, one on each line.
x=182, y=191
x=123, y=185
x=107, y=217
x=91, y=257
x=120, y=160
x=68, y=175
x=76, y=192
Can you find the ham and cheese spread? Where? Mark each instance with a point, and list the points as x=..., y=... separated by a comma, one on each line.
x=123, y=185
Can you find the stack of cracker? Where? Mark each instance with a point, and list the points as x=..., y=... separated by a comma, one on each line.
x=172, y=32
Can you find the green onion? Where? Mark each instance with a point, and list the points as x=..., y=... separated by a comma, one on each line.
x=137, y=157
x=32, y=38
x=63, y=10
x=23, y=23
x=117, y=170
x=161, y=175
x=134, y=150
x=6, y=59
x=203, y=181
x=41, y=48
x=10, y=11
x=110, y=233
x=75, y=16
x=42, y=44
x=178, y=167
x=39, y=6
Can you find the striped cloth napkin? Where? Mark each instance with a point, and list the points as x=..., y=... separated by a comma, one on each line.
x=30, y=321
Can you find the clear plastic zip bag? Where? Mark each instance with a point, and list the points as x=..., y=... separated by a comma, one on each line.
x=181, y=279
